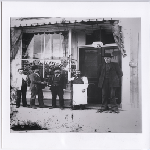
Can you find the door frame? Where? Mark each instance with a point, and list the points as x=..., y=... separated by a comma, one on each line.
x=92, y=99
x=102, y=53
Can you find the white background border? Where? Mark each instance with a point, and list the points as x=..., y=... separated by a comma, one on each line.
x=76, y=140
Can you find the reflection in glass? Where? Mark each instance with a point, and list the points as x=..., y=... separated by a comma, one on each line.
x=38, y=46
x=27, y=65
x=46, y=50
x=45, y=46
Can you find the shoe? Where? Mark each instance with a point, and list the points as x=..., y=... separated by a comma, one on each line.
x=34, y=107
x=110, y=111
x=61, y=107
x=98, y=111
x=73, y=108
x=17, y=106
x=82, y=107
x=41, y=107
x=103, y=109
x=54, y=106
x=116, y=111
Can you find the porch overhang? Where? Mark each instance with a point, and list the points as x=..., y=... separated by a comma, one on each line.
x=48, y=24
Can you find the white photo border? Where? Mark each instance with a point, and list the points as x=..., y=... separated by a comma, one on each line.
x=76, y=140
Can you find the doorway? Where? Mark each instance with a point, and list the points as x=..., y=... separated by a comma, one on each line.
x=89, y=61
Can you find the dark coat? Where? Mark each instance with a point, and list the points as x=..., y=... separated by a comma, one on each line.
x=35, y=82
x=115, y=75
x=62, y=81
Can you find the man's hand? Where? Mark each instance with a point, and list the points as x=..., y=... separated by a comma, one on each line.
x=45, y=82
x=17, y=88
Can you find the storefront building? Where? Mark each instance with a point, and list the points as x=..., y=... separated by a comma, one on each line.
x=79, y=44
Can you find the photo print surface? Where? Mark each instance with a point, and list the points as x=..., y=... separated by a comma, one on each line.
x=78, y=75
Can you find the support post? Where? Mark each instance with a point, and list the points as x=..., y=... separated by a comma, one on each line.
x=44, y=56
x=69, y=55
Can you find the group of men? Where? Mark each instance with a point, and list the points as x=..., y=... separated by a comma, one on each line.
x=109, y=79
x=57, y=86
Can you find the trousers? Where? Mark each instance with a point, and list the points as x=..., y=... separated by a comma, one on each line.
x=108, y=92
x=56, y=90
x=38, y=92
x=22, y=93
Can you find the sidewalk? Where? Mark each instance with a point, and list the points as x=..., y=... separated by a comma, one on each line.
x=85, y=121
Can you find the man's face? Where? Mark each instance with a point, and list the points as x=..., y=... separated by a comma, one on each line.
x=107, y=59
x=78, y=73
x=62, y=68
x=20, y=71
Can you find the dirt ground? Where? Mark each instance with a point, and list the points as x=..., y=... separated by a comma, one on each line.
x=86, y=121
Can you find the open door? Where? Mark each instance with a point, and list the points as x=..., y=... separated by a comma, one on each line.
x=89, y=59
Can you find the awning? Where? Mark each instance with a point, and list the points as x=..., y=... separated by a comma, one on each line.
x=45, y=24
x=34, y=21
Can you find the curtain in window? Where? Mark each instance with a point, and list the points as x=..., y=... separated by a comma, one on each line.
x=15, y=41
x=27, y=42
x=45, y=46
x=46, y=50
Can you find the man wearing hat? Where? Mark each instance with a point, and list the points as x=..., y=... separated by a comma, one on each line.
x=109, y=75
x=57, y=87
x=36, y=87
x=21, y=86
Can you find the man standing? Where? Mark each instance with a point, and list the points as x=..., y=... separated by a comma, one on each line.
x=21, y=86
x=36, y=86
x=57, y=87
x=109, y=79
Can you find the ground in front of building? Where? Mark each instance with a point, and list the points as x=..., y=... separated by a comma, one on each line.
x=85, y=121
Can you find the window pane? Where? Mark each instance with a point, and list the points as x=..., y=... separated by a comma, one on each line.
x=38, y=46
x=56, y=46
x=57, y=51
x=48, y=46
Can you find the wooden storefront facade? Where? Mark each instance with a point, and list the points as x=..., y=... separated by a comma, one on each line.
x=75, y=46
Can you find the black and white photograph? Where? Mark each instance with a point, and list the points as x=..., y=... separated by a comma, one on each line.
x=75, y=75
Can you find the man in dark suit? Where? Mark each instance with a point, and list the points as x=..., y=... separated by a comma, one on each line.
x=109, y=79
x=36, y=86
x=58, y=85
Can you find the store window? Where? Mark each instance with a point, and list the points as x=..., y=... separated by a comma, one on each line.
x=45, y=50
